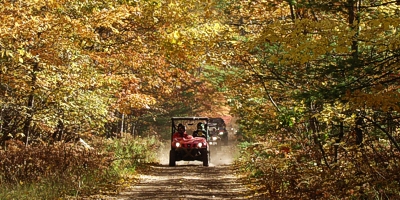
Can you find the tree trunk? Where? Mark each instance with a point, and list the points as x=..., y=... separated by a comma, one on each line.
x=30, y=104
x=359, y=132
x=133, y=126
x=315, y=129
x=292, y=11
x=390, y=123
x=121, y=132
x=352, y=5
x=57, y=135
x=341, y=134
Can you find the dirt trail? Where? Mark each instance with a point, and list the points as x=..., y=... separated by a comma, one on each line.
x=190, y=180
x=187, y=182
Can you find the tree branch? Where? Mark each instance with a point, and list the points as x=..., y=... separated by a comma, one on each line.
x=391, y=138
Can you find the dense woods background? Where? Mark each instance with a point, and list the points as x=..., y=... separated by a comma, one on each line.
x=314, y=84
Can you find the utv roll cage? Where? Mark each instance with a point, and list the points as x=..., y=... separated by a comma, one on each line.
x=174, y=127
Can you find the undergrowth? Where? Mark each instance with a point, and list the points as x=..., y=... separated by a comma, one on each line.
x=277, y=170
x=64, y=170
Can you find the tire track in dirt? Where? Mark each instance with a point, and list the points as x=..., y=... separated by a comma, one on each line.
x=190, y=180
x=187, y=181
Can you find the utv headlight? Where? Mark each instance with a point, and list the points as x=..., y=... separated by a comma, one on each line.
x=200, y=145
x=177, y=144
x=214, y=138
x=221, y=133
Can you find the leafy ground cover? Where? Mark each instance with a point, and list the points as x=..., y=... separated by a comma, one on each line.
x=296, y=171
x=65, y=170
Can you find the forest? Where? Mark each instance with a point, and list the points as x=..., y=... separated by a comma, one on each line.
x=314, y=86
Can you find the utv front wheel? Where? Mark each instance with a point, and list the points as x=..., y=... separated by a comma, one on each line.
x=172, y=158
x=205, y=158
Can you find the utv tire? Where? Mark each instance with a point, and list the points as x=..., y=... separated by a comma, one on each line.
x=172, y=159
x=205, y=157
